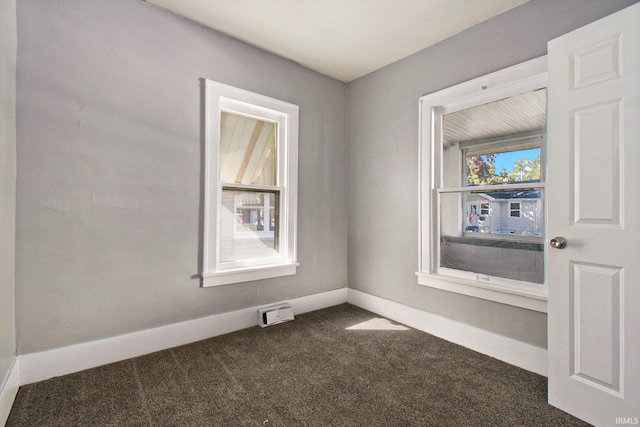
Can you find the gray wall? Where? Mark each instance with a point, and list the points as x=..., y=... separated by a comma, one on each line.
x=109, y=181
x=109, y=170
x=7, y=183
x=383, y=156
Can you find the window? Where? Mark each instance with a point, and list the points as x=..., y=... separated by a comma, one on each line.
x=482, y=187
x=250, y=186
x=514, y=209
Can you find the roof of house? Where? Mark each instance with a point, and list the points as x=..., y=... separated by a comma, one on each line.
x=511, y=195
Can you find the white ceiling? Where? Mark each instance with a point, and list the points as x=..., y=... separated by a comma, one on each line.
x=344, y=39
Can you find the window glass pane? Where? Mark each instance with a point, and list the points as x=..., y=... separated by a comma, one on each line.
x=247, y=149
x=492, y=243
x=495, y=212
x=503, y=167
x=515, y=210
x=249, y=225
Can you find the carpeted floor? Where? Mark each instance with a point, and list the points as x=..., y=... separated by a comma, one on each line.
x=313, y=371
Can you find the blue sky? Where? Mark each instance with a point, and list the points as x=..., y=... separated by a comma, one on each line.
x=507, y=160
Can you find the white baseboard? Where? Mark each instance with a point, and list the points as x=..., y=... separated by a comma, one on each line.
x=518, y=353
x=32, y=367
x=8, y=390
x=74, y=358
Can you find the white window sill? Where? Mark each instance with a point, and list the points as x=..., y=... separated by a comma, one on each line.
x=227, y=277
x=524, y=296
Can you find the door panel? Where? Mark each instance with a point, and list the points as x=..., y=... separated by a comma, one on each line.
x=596, y=323
x=597, y=164
x=593, y=133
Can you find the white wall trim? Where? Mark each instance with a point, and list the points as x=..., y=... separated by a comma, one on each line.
x=74, y=358
x=518, y=353
x=525, y=296
x=8, y=390
x=219, y=97
x=523, y=77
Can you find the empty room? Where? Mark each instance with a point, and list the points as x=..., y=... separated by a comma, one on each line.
x=319, y=212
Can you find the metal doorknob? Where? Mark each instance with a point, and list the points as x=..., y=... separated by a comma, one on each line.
x=558, y=242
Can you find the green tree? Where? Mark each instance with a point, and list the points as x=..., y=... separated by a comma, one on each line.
x=525, y=170
x=481, y=170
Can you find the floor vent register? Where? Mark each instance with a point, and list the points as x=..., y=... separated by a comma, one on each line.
x=274, y=314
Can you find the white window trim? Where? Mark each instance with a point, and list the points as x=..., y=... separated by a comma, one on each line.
x=219, y=97
x=520, y=78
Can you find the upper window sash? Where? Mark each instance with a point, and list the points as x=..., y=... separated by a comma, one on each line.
x=218, y=98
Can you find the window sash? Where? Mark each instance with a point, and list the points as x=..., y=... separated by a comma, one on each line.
x=456, y=251
x=254, y=237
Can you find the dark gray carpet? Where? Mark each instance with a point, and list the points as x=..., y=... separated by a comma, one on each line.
x=309, y=372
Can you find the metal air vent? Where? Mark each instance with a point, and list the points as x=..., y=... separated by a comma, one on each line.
x=274, y=314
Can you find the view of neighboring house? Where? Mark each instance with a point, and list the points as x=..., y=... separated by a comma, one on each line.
x=504, y=212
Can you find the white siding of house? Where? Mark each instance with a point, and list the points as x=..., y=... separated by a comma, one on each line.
x=500, y=221
x=529, y=220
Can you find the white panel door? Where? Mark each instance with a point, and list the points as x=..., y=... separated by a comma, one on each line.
x=593, y=190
